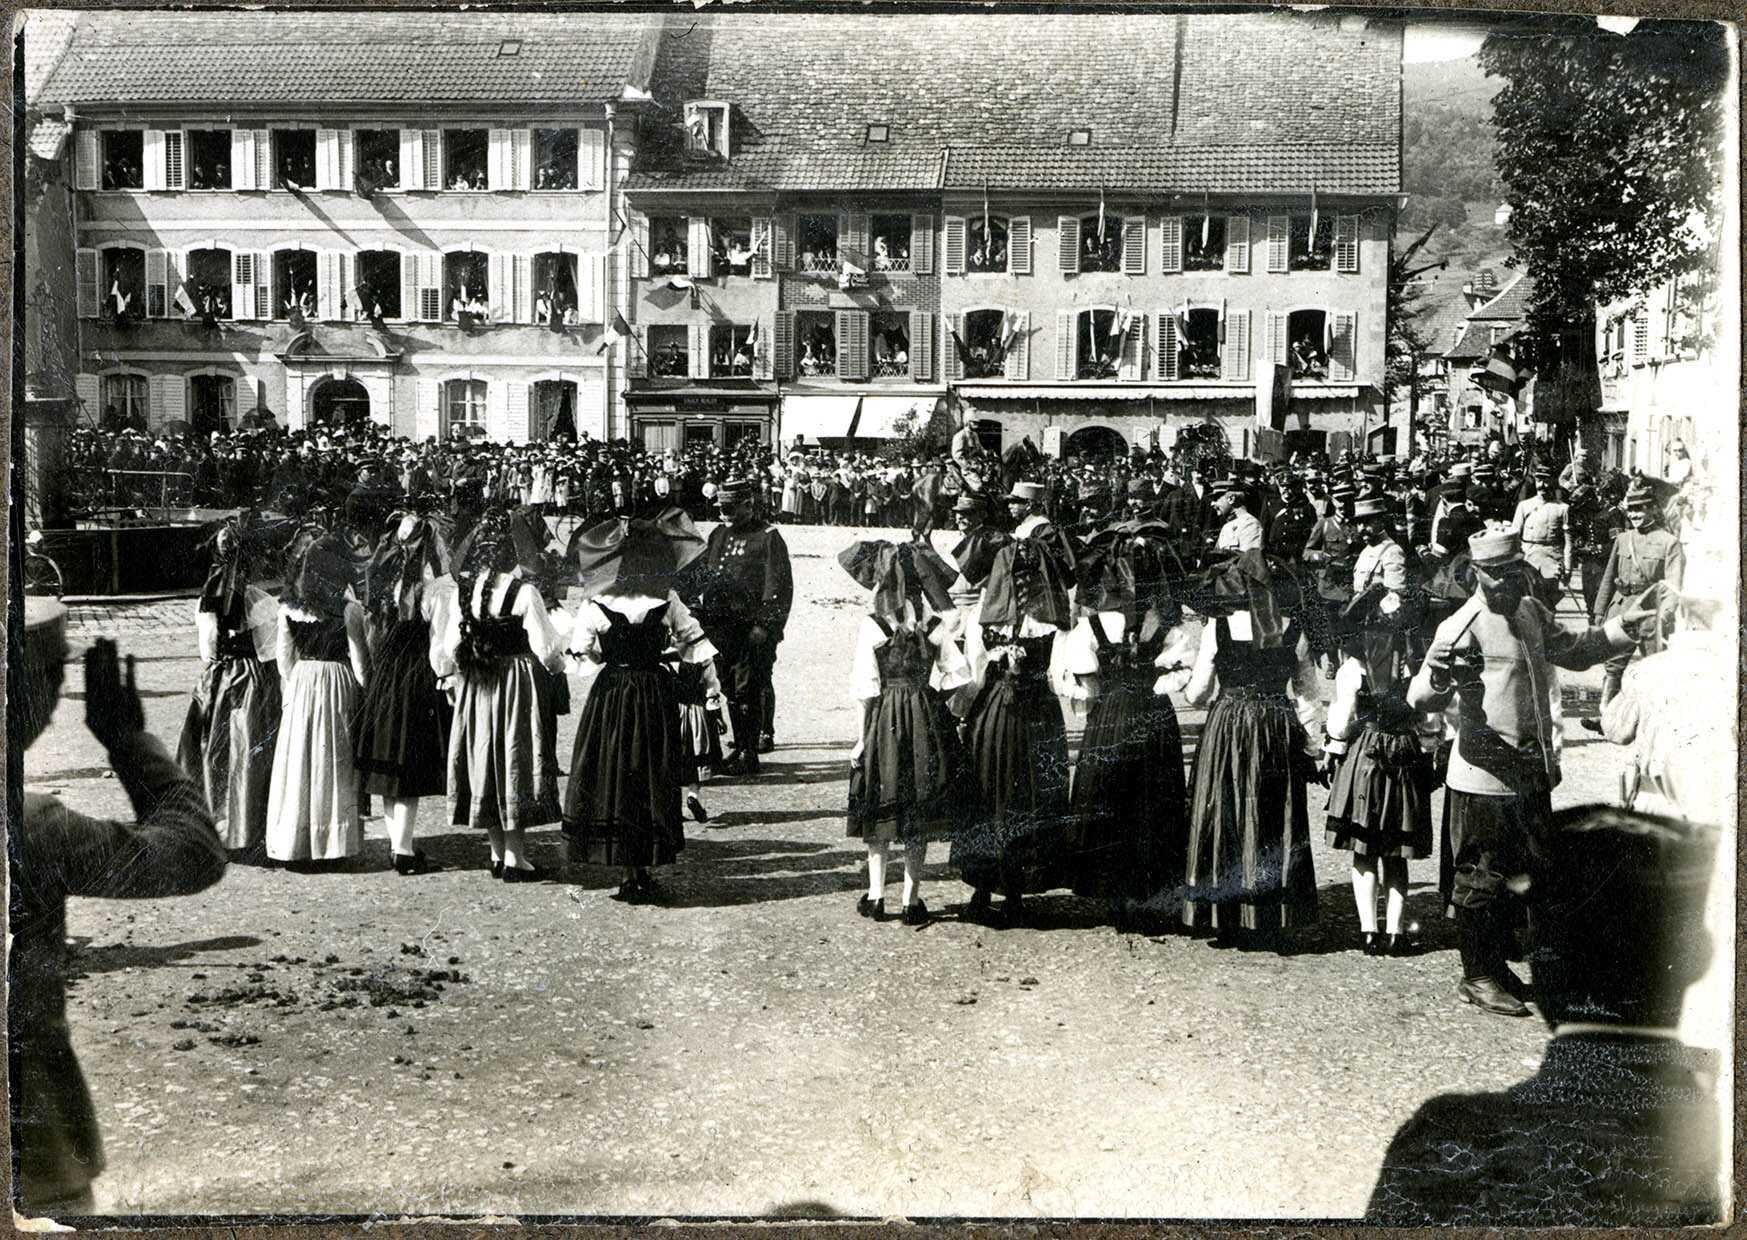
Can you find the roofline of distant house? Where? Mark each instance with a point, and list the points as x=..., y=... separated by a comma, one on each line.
x=1184, y=198
x=355, y=109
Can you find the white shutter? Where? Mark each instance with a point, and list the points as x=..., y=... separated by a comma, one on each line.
x=498, y=160
x=852, y=344
x=327, y=286
x=852, y=239
x=1064, y=344
x=953, y=251
x=522, y=306
x=431, y=287
x=1235, y=364
x=499, y=297
x=921, y=251
x=266, y=291
x=1068, y=243
x=951, y=367
x=1279, y=238
x=1134, y=245
x=409, y=287
x=1641, y=334
x=431, y=158
x=783, y=345
x=248, y=396
x=921, y=345
x=88, y=295
x=1133, y=341
x=348, y=286
x=697, y=353
x=521, y=159
x=427, y=416
x=345, y=176
x=1018, y=363
x=1165, y=348
x=1237, y=244
x=1019, y=245
x=89, y=389
x=412, y=164
x=1171, y=242
x=637, y=256
x=599, y=266
x=169, y=400
x=1343, y=347
x=497, y=413
x=153, y=148
x=242, y=282
x=761, y=265
x=591, y=158
x=263, y=159
x=515, y=412
x=782, y=250
x=1276, y=341
x=327, y=159
x=243, y=159
x=699, y=260
x=1347, y=243
x=761, y=351
x=86, y=171
x=175, y=163
x=157, y=284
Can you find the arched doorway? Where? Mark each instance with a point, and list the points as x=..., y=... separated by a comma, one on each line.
x=341, y=403
x=1095, y=443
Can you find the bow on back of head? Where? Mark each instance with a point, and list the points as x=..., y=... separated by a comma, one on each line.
x=1245, y=583
x=326, y=571
x=899, y=572
x=635, y=555
x=1124, y=568
x=413, y=549
x=1030, y=577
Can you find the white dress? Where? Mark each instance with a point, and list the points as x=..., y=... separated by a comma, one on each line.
x=312, y=804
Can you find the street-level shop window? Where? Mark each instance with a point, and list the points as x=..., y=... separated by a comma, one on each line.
x=700, y=434
x=1101, y=242
x=984, y=353
x=731, y=240
x=466, y=287
x=889, y=338
x=555, y=159
x=554, y=409
x=212, y=404
x=555, y=289
x=124, y=400
x=891, y=242
x=377, y=273
x=816, y=243
x=123, y=279
x=731, y=348
x=377, y=156
x=464, y=409
x=294, y=284
x=669, y=352
x=293, y=158
x=1099, y=338
x=1307, y=251
x=1307, y=348
x=208, y=285
x=465, y=155
x=1200, y=254
x=658, y=437
x=986, y=243
x=1198, y=351
x=668, y=249
x=124, y=159
x=815, y=343
x=737, y=433
x=209, y=159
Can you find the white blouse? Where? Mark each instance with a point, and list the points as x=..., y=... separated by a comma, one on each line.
x=1080, y=656
x=684, y=632
x=260, y=618
x=949, y=672
x=1301, y=689
x=544, y=641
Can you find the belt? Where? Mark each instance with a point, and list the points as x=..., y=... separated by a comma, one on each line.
x=1543, y=542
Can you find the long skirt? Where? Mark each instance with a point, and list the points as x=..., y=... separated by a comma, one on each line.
x=1249, y=861
x=402, y=726
x=1017, y=839
x=910, y=784
x=228, y=742
x=699, y=727
x=503, y=756
x=622, y=805
x=1131, y=799
x=1379, y=802
x=312, y=807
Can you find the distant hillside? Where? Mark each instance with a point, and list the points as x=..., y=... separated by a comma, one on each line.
x=1448, y=169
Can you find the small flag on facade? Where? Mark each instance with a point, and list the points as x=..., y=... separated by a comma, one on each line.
x=184, y=303
x=1500, y=374
x=1313, y=215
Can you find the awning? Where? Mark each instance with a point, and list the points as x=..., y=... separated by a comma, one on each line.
x=1090, y=392
x=1324, y=391
x=880, y=415
x=816, y=417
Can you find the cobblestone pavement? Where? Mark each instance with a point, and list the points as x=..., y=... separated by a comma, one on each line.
x=357, y=1042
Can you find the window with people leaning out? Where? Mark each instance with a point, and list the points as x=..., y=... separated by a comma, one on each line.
x=555, y=302
x=207, y=285
x=815, y=343
x=554, y=159
x=377, y=156
x=209, y=159
x=293, y=158
x=377, y=273
x=124, y=402
x=984, y=339
x=465, y=155
x=1100, y=336
x=212, y=401
x=890, y=243
x=1101, y=243
x=985, y=243
x=124, y=159
x=123, y=285
x=731, y=351
x=294, y=278
x=731, y=242
x=816, y=243
x=464, y=408
x=466, y=288
x=1198, y=347
x=1307, y=252
x=1208, y=255
x=1307, y=344
x=669, y=351
x=889, y=338
x=669, y=253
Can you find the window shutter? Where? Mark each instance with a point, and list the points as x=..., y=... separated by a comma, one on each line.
x=1134, y=244
x=760, y=267
x=348, y=285
x=412, y=164
x=1128, y=369
x=327, y=159
x=1641, y=334
x=243, y=159
x=409, y=288
x=1018, y=362
x=636, y=350
x=952, y=254
x=498, y=160
x=153, y=154
x=699, y=261
x=921, y=341
x=1237, y=244
x=1068, y=237
x=761, y=351
x=521, y=159
x=86, y=174
x=852, y=242
x=433, y=158
x=497, y=413
x=1347, y=243
x=89, y=390
x=1343, y=345
x=327, y=286
x=782, y=250
x=88, y=293
x=175, y=175
x=951, y=367
x=1279, y=235
x=1276, y=324
x=264, y=302
x=598, y=309
x=783, y=345
x=263, y=159
x=248, y=396
x=172, y=281
x=591, y=158
x=637, y=255
x=852, y=344
x=242, y=283
x=1165, y=358
x=427, y=419
x=1065, y=331
x=516, y=412
x=1235, y=364
x=157, y=285
x=168, y=401
x=697, y=353
x=431, y=287
x=1019, y=245
x=518, y=298
x=1171, y=242
x=499, y=297
x=921, y=249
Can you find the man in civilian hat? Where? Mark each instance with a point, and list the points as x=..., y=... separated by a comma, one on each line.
x=1025, y=508
x=745, y=589
x=1642, y=556
x=1618, y=1126
x=1240, y=531
x=1493, y=660
x=1544, y=525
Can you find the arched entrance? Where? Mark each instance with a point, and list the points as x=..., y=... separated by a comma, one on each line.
x=1095, y=443
x=341, y=403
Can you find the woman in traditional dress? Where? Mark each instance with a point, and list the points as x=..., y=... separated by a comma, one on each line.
x=908, y=781
x=324, y=663
x=1130, y=804
x=401, y=733
x=494, y=644
x=228, y=738
x=622, y=805
x=1249, y=872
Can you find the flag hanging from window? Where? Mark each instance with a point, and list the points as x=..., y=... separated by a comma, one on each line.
x=1206, y=220
x=184, y=303
x=1313, y=216
x=1500, y=374
x=1100, y=215
x=986, y=239
x=1119, y=324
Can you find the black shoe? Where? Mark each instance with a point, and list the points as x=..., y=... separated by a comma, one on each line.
x=1591, y=725
x=416, y=863
x=873, y=910
x=497, y=868
x=977, y=910
x=1514, y=985
x=533, y=874
x=1011, y=914
x=1373, y=943
x=1400, y=945
x=1486, y=994
x=766, y=743
x=696, y=808
x=915, y=914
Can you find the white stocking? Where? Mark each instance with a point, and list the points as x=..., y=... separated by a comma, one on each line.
x=914, y=854
x=402, y=818
x=876, y=871
x=1365, y=892
x=1394, y=892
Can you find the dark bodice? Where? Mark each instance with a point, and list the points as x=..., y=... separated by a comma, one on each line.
x=500, y=633
x=634, y=643
x=1244, y=667
x=906, y=658
x=1127, y=663
x=320, y=641
x=1033, y=666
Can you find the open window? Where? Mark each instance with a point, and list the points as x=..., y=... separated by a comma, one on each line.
x=1198, y=349
x=1204, y=243
x=208, y=284
x=816, y=243
x=212, y=404
x=466, y=155
x=985, y=243
x=377, y=273
x=124, y=160
x=984, y=336
x=1098, y=341
x=1307, y=251
x=293, y=158
x=555, y=161
x=555, y=288
x=731, y=349
x=464, y=409
x=553, y=409
x=890, y=242
x=294, y=283
x=377, y=156
x=209, y=159
x=706, y=130
x=668, y=251
x=122, y=279
x=125, y=398
x=731, y=241
x=1307, y=344
x=889, y=341
x=815, y=343
x=466, y=287
x=669, y=351
x=1101, y=242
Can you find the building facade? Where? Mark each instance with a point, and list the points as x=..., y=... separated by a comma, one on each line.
x=1663, y=381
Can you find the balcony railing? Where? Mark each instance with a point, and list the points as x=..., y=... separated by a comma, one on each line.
x=820, y=264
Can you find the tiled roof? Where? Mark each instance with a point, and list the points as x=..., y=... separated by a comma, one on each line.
x=272, y=58
x=1470, y=342
x=771, y=168
x=46, y=33
x=1511, y=304
x=47, y=135
x=1261, y=168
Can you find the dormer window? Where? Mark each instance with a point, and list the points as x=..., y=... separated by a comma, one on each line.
x=1079, y=137
x=706, y=129
x=879, y=133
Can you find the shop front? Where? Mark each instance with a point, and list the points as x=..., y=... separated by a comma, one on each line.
x=674, y=419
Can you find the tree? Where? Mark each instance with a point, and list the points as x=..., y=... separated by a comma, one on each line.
x=1405, y=343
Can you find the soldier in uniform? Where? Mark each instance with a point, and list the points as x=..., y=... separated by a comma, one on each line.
x=744, y=587
x=1595, y=518
x=1544, y=524
x=1239, y=531
x=1642, y=556
x=1451, y=497
x=1486, y=496
x=1291, y=523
